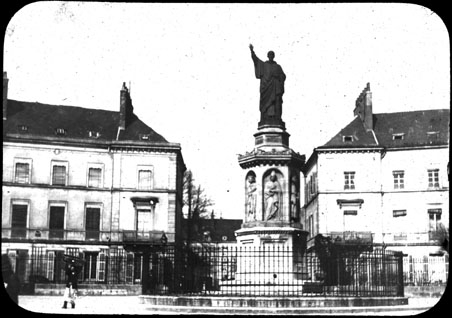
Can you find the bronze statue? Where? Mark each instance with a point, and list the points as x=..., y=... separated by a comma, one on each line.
x=271, y=88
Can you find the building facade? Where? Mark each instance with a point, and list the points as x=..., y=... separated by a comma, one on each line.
x=383, y=178
x=89, y=183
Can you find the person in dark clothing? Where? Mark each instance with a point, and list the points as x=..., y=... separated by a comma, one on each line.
x=10, y=279
x=71, y=290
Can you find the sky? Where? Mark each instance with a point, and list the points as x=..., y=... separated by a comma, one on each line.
x=191, y=77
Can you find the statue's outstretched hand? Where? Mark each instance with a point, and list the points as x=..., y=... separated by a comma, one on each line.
x=251, y=47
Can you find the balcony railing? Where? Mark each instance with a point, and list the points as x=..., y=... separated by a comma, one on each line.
x=351, y=237
x=143, y=236
x=346, y=238
x=25, y=234
x=414, y=237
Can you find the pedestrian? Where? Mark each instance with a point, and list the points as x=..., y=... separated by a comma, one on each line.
x=10, y=279
x=70, y=292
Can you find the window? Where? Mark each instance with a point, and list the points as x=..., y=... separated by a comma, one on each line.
x=129, y=267
x=397, y=213
x=145, y=136
x=101, y=266
x=60, y=132
x=93, y=134
x=22, y=128
x=92, y=224
x=399, y=182
x=433, y=178
x=145, y=215
x=434, y=216
x=49, y=266
x=59, y=173
x=351, y=221
x=347, y=138
x=349, y=180
x=432, y=136
x=145, y=220
x=311, y=226
x=90, y=266
x=94, y=177
x=398, y=136
x=145, y=178
x=56, y=220
x=137, y=266
x=19, y=219
x=22, y=172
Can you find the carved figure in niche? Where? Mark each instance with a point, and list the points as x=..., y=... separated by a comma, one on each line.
x=271, y=87
x=251, y=197
x=294, y=199
x=272, y=197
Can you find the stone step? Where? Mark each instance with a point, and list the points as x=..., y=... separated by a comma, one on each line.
x=201, y=310
x=270, y=302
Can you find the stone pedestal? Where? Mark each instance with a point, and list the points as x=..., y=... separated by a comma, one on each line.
x=271, y=177
x=272, y=180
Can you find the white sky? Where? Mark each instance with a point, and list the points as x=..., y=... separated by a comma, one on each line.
x=192, y=77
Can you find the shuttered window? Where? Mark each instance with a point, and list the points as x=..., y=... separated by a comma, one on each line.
x=56, y=222
x=59, y=175
x=22, y=173
x=95, y=177
x=19, y=220
x=92, y=223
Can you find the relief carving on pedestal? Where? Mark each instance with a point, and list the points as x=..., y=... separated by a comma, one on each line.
x=250, y=195
x=273, y=197
x=294, y=199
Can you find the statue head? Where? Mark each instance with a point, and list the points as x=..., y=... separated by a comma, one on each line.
x=273, y=176
x=271, y=55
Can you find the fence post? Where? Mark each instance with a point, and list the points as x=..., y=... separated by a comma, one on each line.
x=400, y=285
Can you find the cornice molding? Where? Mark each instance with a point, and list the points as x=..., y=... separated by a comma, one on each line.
x=276, y=158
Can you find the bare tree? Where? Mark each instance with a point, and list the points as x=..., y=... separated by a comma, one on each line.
x=197, y=204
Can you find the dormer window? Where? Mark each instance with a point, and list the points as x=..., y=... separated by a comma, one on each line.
x=398, y=136
x=347, y=138
x=433, y=135
x=60, y=132
x=93, y=134
x=145, y=136
x=22, y=128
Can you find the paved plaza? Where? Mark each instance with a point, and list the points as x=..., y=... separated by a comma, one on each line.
x=130, y=305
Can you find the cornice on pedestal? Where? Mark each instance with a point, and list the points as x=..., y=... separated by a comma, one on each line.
x=259, y=157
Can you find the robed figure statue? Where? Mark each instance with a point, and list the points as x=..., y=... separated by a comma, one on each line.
x=271, y=88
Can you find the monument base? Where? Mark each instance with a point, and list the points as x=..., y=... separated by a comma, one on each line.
x=265, y=234
x=271, y=136
x=270, y=256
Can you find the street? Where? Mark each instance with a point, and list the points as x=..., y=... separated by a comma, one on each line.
x=130, y=305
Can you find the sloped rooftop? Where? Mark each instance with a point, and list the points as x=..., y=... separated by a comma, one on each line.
x=394, y=130
x=42, y=120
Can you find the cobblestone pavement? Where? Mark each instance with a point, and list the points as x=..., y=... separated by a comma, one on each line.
x=130, y=305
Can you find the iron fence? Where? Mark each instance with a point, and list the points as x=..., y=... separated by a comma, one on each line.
x=280, y=271
x=426, y=270
x=228, y=270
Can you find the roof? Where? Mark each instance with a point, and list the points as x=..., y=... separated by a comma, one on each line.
x=396, y=130
x=42, y=120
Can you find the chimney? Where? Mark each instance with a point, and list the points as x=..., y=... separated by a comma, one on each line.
x=126, y=108
x=5, y=94
x=363, y=108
